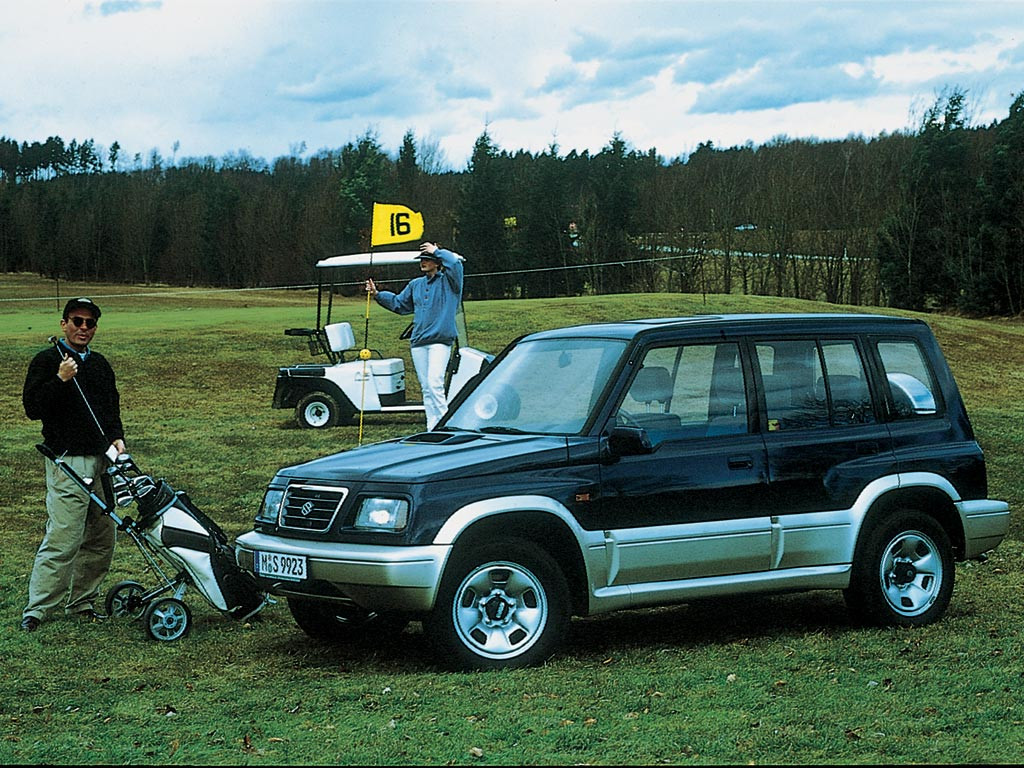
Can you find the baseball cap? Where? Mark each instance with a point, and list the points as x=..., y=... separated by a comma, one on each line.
x=81, y=303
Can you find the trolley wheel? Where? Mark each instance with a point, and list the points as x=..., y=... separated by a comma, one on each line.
x=167, y=619
x=124, y=600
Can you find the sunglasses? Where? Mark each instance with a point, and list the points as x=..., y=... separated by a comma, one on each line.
x=88, y=322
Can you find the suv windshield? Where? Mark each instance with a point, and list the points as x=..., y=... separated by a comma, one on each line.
x=548, y=386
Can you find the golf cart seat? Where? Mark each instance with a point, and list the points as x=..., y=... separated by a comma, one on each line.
x=340, y=336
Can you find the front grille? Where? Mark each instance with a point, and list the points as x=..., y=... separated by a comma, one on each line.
x=311, y=507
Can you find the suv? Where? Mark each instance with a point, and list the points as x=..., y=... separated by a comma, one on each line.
x=641, y=463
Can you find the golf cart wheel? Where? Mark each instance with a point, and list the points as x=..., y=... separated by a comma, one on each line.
x=323, y=620
x=501, y=606
x=317, y=410
x=167, y=619
x=124, y=600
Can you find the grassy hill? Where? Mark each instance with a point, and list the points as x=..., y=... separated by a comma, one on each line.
x=775, y=679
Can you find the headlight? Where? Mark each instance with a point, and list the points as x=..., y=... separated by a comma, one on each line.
x=271, y=505
x=382, y=514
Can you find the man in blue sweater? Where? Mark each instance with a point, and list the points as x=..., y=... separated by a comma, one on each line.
x=432, y=300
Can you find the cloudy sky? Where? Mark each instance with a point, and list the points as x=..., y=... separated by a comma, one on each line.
x=192, y=78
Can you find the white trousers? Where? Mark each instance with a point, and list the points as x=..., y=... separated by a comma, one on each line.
x=430, y=362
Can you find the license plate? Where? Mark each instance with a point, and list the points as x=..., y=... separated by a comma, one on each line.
x=272, y=565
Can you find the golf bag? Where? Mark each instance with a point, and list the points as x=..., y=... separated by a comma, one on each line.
x=180, y=543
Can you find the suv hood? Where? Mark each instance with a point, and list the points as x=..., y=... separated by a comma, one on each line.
x=437, y=456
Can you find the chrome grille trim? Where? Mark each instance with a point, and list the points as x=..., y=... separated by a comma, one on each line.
x=311, y=507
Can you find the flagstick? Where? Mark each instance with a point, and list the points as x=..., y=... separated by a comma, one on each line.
x=389, y=224
x=364, y=354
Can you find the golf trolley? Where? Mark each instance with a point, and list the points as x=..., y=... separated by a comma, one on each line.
x=174, y=537
x=356, y=379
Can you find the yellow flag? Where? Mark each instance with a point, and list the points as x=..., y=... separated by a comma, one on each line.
x=395, y=224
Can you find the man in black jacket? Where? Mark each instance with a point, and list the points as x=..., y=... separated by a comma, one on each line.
x=72, y=389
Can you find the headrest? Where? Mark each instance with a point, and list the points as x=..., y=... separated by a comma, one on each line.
x=652, y=384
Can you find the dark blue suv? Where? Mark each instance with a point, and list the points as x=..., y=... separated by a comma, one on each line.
x=642, y=463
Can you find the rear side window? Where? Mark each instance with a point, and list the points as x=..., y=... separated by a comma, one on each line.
x=848, y=393
x=810, y=384
x=789, y=371
x=909, y=378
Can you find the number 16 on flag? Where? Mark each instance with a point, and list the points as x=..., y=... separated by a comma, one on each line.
x=395, y=224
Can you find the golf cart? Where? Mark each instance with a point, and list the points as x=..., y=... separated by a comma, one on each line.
x=356, y=379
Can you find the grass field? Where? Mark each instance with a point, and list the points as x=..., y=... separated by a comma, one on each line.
x=785, y=679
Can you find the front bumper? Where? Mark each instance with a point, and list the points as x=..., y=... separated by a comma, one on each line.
x=378, y=578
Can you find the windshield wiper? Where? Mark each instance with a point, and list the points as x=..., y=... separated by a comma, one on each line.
x=501, y=430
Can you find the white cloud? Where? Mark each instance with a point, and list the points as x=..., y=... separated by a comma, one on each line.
x=930, y=63
x=265, y=75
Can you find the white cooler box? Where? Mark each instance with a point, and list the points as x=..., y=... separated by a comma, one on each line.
x=388, y=375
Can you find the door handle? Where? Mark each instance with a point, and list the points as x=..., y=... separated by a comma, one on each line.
x=741, y=462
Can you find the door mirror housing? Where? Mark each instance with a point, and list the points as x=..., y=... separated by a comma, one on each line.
x=629, y=441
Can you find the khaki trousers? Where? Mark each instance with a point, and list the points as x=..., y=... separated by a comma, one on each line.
x=78, y=546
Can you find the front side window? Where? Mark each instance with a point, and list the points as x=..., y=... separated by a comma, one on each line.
x=695, y=390
x=910, y=381
x=547, y=386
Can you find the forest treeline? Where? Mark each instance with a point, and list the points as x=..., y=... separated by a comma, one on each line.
x=929, y=218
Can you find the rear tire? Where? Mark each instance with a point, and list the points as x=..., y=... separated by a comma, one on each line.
x=904, y=573
x=124, y=600
x=500, y=606
x=324, y=620
x=317, y=410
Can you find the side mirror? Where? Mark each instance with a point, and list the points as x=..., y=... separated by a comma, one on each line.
x=629, y=441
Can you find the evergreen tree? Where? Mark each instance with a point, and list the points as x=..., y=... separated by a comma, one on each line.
x=367, y=175
x=925, y=243
x=408, y=171
x=1000, y=285
x=613, y=198
x=482, y=235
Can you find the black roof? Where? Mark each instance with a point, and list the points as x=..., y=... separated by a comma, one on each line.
x=746, y=323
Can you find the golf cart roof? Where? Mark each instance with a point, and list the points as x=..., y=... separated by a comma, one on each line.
x=378, y=258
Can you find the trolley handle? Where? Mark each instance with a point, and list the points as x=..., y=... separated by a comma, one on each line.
x=47, y=451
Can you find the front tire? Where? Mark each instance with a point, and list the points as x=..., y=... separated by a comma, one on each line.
x=335, y=622
x=500, y=606
x=167, y=619
x=904, y=572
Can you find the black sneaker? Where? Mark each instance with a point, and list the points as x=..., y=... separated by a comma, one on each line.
x=29, y=624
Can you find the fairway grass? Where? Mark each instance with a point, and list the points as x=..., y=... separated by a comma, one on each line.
x=769, y=679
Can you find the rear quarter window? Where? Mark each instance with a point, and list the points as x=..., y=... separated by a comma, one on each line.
x=909, y=379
